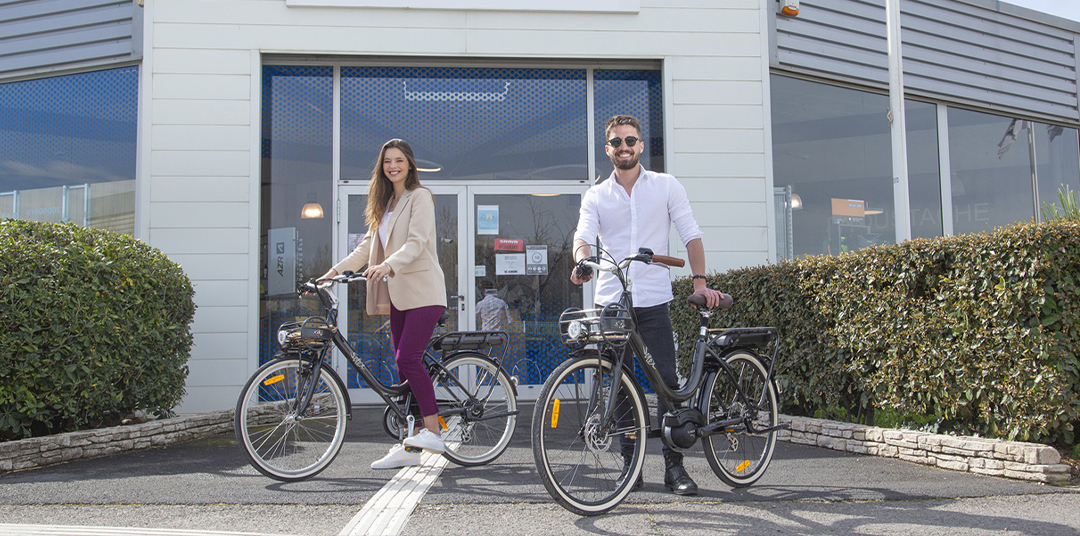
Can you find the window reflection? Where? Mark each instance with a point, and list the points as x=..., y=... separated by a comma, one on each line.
x=832, y=152
x=467, y=123
x=1058, y=162
x=924, y=185
x=636, y=93
x=67, y=149
x=991, y=171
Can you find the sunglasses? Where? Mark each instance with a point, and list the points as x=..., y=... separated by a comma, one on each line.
x=615, y=143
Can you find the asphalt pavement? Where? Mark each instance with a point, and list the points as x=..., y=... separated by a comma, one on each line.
x=207, y=487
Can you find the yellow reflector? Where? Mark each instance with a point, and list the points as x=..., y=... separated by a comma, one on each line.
x=742, y=466
x=555, y=413
x=443, y=423
x=273, y=379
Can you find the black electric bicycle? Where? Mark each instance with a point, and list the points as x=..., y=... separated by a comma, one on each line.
x=291, y=416
x=591, y=419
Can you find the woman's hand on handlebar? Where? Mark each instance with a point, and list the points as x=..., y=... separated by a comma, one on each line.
x=377, y=272
x=328, y=277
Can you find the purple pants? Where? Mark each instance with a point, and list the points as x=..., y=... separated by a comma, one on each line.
x=410, y=332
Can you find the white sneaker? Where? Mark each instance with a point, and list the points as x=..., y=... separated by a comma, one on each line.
x=397, y=457
x=427, y=440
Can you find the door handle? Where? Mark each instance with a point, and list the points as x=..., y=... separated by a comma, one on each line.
x=460, y=299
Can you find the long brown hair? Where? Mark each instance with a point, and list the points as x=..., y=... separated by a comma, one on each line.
x=381, y=190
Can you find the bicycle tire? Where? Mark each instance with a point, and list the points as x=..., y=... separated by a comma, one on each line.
x=279, y=443
x=579, y=461
x=739, y=458
x=478, y=402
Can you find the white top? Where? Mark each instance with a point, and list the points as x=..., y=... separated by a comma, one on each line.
x=625, y=223
x=384, y=226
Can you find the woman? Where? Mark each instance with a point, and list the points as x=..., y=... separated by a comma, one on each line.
x=405, y=280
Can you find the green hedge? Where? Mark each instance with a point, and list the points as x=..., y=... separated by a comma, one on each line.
x=93, y=327
x=979, y=332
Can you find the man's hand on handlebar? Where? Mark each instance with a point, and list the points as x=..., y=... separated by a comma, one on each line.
x=582, y=273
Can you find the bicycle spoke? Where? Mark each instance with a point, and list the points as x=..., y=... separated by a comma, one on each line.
x=280, y=442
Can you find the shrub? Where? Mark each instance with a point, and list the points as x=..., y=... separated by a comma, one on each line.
x=979, y=332
x=93, y=327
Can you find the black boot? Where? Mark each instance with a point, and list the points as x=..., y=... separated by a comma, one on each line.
x=626, y=473
x=675, y=477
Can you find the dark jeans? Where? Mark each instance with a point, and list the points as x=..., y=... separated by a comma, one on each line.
x=654, y=325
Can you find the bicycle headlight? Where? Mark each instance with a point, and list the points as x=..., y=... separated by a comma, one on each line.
x=282, y=334
x=575, y=330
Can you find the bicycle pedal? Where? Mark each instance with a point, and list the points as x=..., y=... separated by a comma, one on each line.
x=413, y=449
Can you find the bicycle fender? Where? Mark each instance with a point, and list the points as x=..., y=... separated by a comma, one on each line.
x=483, y=357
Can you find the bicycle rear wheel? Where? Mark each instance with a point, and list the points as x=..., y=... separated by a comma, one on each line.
x=279, y=441
x=478, y=403
x=588, y=465
x=738, y=457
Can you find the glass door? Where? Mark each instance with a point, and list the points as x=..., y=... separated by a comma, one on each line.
x=370, y=335
x=521, y=238
x=507, y=267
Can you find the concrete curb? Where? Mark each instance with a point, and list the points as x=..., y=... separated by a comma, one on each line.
x=1009, y=459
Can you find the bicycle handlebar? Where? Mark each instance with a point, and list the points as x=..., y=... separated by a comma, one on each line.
x=668, y=261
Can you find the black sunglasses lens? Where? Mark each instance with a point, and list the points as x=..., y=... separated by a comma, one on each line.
x=617, y=142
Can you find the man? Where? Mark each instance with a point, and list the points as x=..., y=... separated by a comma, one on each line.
x=635, y=208
x=493, y=311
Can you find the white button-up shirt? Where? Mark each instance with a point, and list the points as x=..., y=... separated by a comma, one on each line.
x=625, y=223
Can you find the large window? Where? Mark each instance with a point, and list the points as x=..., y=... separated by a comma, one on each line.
x=833, y=172
x=67, y=149
x=995, y=171
x=832, y=165
x=924, y=171
x=462, y=123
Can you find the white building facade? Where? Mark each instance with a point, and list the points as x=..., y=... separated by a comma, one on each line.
x=246, y=113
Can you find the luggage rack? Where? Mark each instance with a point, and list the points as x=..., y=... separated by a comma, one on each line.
x=455, y=341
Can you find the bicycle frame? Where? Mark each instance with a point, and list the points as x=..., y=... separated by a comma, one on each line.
x=731, y=339
x=388, y=393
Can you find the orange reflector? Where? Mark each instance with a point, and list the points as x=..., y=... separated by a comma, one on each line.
x=555, y=413
x=443, y=423
x=742, y=466
x=273, y=379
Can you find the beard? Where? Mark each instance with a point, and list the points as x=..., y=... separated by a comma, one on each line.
x=625, y=164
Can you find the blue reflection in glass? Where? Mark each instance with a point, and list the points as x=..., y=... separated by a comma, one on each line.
x=67, y=148
x=467, y=123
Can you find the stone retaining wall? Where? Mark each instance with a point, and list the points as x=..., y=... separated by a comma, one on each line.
x=1009, y=459
x=41, y=451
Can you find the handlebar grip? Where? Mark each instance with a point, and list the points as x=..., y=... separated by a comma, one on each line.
x=669, y=261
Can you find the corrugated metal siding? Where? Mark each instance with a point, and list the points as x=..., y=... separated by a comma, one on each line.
x=50, y=35
x=953, y=51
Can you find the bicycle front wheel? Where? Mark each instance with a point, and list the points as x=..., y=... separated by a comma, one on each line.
x=282, y=440
x=478, y=405
x=587, y=453
x=737, y=456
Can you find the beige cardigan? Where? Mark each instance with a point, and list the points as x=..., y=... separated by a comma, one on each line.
x=416, y=279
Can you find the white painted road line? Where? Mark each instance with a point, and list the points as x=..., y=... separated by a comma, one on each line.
x=10, y=529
